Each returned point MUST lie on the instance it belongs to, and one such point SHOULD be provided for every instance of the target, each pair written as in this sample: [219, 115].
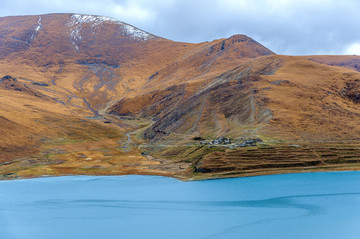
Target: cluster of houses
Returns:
[227, 141]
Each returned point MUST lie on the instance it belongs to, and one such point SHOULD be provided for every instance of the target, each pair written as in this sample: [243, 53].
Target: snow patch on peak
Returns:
[74, 26]
[36, 27]
[136, 33]
[76, 19]
[39, 25]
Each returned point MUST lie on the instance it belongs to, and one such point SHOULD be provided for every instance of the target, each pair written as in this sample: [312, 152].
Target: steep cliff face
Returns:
[273, 96]
[220, 107]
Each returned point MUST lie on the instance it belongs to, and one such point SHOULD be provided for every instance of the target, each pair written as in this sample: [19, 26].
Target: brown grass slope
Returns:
[87, 54]
[87, 94]
[304, 100]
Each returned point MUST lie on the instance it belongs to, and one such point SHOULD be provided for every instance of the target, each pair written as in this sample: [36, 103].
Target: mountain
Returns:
[83, 94]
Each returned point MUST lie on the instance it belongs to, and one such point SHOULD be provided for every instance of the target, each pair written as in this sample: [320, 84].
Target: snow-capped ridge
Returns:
[136, 33]
[39, 25]
[94, 20]
[76, 20]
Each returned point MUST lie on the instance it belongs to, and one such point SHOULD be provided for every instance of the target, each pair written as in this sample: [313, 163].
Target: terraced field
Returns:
[279, 159]
[220, 161]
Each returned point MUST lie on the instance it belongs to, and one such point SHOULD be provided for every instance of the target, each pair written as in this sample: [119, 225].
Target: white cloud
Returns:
[131, 13]
[353, 49]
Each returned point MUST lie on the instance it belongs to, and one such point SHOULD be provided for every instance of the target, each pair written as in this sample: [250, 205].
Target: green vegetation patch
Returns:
[189, 154]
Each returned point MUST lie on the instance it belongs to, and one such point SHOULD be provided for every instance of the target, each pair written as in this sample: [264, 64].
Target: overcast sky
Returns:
[294, 27]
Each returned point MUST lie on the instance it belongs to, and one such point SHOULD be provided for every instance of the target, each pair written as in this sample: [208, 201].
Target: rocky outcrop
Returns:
[352, 90]
[10, 83]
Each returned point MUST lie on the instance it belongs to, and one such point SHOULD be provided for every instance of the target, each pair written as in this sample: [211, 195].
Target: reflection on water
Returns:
[316, 205]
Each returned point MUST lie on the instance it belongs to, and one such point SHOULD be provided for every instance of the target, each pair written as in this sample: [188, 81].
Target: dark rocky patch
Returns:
[11, 83]
[352, 90]
[279, 82]
[40, 84]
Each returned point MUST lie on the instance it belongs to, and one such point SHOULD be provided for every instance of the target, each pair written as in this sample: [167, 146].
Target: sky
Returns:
[291, 27]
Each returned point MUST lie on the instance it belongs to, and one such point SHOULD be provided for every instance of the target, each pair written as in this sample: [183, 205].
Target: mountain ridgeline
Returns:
[83, 94]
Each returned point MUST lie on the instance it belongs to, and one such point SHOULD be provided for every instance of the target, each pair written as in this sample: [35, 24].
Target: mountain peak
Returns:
[83, 18]
[77, 20]
[69, 36]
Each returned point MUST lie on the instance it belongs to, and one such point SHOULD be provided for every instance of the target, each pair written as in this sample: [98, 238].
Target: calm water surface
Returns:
[312, 205]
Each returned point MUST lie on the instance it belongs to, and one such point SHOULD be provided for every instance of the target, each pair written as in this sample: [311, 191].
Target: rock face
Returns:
[10, 83]
[227, 103]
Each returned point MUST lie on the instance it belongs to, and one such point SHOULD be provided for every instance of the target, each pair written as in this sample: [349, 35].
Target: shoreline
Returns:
[184, 162]
[188, 179]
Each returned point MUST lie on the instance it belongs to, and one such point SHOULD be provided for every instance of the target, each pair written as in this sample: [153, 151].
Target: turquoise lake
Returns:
[290, 206]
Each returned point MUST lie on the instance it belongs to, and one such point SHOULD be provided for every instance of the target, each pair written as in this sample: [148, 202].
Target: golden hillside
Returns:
[87, 94]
